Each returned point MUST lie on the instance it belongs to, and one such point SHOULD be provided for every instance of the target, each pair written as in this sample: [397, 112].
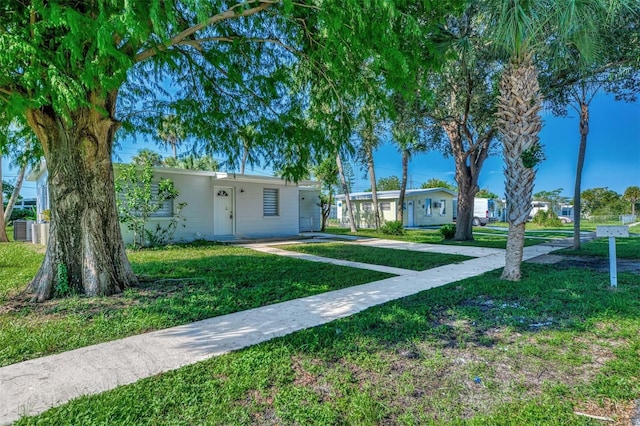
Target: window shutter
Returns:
[270, 202]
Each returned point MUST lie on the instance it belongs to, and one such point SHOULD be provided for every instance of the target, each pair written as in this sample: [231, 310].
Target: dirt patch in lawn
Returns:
[595, 263]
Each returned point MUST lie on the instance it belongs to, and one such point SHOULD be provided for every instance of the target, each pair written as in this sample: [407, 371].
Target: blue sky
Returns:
[612, 160]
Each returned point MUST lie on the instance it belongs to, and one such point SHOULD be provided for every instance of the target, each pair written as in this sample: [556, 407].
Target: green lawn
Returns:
[417, 261]
[479, 351]
[497, 239]
[627, 248]
[181, 284]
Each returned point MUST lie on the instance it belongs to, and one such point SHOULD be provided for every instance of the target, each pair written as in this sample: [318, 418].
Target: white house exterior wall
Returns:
[420, 215]
[250, 220]
[310, 214]
[198, 192]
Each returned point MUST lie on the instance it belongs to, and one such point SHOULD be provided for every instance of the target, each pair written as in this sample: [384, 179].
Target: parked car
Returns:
[565, 219]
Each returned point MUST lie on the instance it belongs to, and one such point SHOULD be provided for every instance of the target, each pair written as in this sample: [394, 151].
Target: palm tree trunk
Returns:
[584, 132]
[345, 191]
[519, 121]
[374, 189]
[245, 155]
[3, 224]
[16, 193]
[403, 185]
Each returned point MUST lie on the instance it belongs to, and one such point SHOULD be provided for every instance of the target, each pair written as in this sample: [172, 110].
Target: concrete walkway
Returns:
[31, 387]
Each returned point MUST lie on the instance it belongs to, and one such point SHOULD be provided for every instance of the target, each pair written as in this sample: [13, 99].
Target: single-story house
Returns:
[224, 206]
[421, 207]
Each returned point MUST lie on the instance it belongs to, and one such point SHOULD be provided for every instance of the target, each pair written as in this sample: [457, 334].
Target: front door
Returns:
[410, 214]
[223, 211]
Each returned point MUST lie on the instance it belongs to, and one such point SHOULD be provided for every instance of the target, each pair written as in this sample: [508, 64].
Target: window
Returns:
[427, 206]
[443, 207]
[385, 207]
[367, 207]
[167, 207]
[165, 210]
[270, 202]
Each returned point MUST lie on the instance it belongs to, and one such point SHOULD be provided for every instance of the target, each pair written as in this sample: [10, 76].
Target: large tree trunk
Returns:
[345, 191]
[16, 193]
[403, 184]
[85, 234]
[374, 188]
[468, 165]
[584, 132]
[519, 121]
[3, 224]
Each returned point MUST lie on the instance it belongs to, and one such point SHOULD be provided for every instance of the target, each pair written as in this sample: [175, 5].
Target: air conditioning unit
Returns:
[22, 230]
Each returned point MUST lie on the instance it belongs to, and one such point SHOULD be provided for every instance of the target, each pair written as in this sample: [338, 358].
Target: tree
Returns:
[460, 112]
[147, 156]
[3, 224]
[438, 183]
[601, 201]
[346, 192]
[632, 195]
[370, 142]
[24, 152]
[485, 193]
[171, 132]
[616, 70]
[406, 134]
[79, 71]
[82, 72]
[521, 30]
[327, 173]
[192, 162]
[389, 183]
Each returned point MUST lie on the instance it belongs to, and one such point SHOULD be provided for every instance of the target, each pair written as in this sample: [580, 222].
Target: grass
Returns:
[181, 284]
[405, 259]
[626, 248]
[479, 351]
[19, 263]
[432, 236]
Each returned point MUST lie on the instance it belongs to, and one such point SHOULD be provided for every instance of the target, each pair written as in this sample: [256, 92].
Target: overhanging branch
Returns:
[230, 13]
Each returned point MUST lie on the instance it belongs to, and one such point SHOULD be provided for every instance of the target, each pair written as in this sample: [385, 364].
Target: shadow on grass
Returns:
[466, 351]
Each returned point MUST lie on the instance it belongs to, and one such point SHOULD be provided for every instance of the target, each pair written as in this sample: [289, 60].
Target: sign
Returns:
[612, 232]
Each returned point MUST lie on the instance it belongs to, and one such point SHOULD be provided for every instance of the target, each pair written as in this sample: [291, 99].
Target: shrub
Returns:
[21, 214]
[547, 219]
[393, 227]
[448, 231]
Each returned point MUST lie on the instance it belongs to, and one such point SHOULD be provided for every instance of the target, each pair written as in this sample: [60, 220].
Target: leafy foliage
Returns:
[547, 219]
[392, 227]
[138, 199]
[448, 231]
[439, 183]
[389, 183]
[602, 201]
[485, 193]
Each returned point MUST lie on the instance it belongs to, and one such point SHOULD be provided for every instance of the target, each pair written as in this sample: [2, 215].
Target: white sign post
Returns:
[612, 232]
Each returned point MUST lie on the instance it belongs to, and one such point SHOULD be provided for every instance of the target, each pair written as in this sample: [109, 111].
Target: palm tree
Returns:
[370, 143]
[171, 132]
[406, 133]
[632, 195]
[345, 191]
[523, 29]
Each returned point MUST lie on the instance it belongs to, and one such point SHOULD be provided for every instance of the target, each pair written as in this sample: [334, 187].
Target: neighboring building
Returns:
[421, 207]
[23, 204]
[487, 210]
[226, 206]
